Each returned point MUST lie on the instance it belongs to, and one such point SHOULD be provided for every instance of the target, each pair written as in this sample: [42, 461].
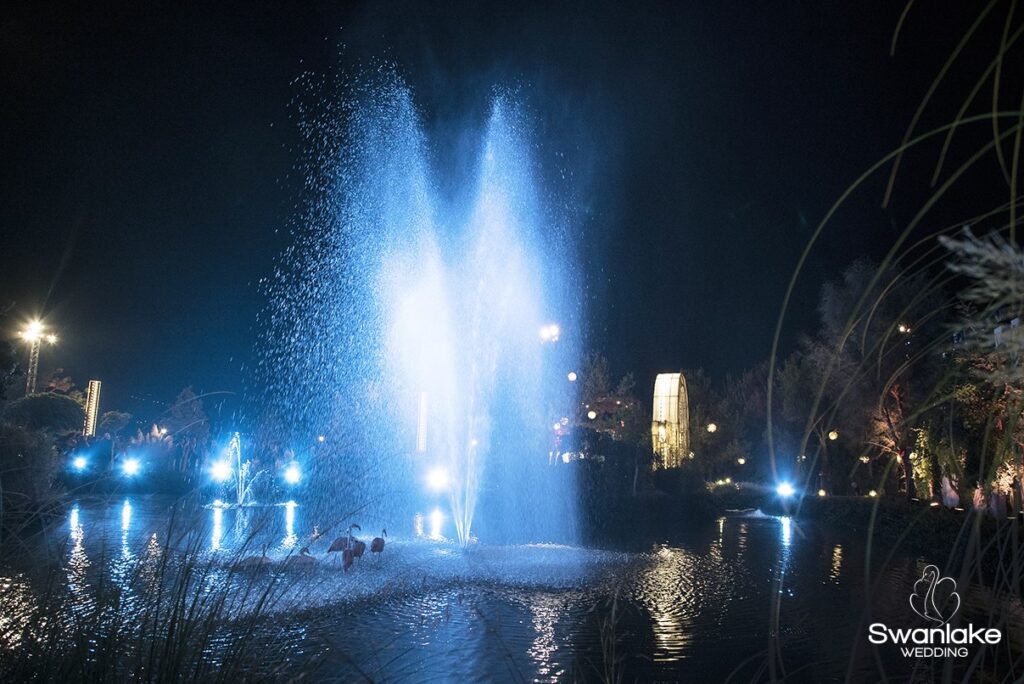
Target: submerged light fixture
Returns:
[785, 490]
[292, 474]
[221, 471]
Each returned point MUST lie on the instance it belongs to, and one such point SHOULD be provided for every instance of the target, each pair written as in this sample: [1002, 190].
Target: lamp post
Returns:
[35, 336]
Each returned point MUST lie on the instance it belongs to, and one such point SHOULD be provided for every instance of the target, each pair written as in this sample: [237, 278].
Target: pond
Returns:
[737, 596]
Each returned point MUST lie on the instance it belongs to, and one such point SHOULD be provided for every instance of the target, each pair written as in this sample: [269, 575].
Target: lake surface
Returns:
[712, 602]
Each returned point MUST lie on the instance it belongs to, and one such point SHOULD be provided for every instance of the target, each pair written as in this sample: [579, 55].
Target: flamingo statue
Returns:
[302, 560]
[377, 545]
[345, 541]
[255, 562]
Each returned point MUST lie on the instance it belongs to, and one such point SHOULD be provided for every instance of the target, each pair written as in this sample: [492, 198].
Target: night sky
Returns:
[148, 148]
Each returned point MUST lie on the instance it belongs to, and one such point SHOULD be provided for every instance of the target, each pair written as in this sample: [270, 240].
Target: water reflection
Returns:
[417, 523]
[217, 532]
[290, 539]
[787, 530]
[547, 609]
[666, 589]
[436, 521]
[78, 563]
[837, 564]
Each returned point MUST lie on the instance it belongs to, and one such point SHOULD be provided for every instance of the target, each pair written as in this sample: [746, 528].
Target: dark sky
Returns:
[147, 148]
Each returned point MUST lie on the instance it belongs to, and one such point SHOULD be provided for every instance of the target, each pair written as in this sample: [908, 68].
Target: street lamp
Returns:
[34, 333]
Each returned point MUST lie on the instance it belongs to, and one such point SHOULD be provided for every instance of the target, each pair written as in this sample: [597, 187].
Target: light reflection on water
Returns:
[290, 539]
[702, 603]
[547, 610]
[837, 564]
[218, 528]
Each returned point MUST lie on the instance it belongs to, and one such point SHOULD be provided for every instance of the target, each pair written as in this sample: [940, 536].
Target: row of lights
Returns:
[786, 490]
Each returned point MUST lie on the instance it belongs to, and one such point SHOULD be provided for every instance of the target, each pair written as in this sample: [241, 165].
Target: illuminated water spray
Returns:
[407, 321]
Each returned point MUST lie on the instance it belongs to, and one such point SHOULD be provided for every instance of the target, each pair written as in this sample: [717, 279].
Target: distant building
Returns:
[92, 407]
[670, 420]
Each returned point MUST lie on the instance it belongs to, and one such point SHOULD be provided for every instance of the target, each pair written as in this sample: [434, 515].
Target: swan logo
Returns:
[934, 597]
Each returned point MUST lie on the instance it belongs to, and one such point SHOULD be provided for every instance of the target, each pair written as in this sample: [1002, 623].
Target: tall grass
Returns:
[166, 611]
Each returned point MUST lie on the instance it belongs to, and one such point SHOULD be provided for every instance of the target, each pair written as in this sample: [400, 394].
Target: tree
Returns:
[113, 422]
[186, 422]
[54, 413]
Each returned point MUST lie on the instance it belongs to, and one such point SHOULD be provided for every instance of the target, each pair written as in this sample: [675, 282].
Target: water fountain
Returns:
[409, 322]
[241, 475]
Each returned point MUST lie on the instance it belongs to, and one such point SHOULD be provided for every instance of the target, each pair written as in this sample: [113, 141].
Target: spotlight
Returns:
[785, 490]
[79, 463]
[741, 460]
[833, 435]
[221, 471]
[712, 427]
[437, 479]
[572, 376]
[130, 466]
[821, 492]
[591, 414]
[872, 493]
[292, 474]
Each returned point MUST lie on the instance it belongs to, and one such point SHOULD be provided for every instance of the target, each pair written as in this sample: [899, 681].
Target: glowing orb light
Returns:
[591, 415]
[572, 376]
[712, 427]
[821, 492]
[785, 490]
[79, 463]
[131, 467]
[221, 471]
[833, 435]
[292, 474]
[437, 479]
[550, 332]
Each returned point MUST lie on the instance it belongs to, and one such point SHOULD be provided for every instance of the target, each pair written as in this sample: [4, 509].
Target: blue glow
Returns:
[436, 523]
[131, 467]
[292, 474]
[126, 515]
[431, 310]
[79, 463]
[785, 490]
[437, 479]
[221, 471]
[218, 528]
